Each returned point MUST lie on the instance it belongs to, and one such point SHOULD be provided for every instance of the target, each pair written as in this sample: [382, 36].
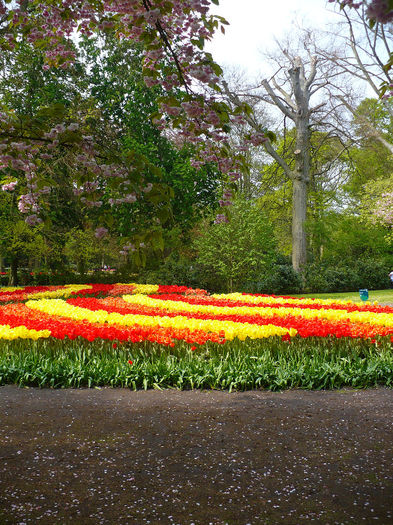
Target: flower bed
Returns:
[165, 314]
[151, 336]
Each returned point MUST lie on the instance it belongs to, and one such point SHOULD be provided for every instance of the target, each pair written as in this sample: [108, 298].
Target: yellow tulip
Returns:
[231, 329]
[21, 332]
[380, 319]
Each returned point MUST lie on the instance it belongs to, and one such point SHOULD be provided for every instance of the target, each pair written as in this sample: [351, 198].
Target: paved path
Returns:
[121, 457]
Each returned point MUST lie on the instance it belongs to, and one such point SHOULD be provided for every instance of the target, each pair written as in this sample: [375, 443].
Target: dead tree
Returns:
[294, 103]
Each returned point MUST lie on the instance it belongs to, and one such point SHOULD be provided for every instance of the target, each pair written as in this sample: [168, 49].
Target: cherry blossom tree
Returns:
[172, 33]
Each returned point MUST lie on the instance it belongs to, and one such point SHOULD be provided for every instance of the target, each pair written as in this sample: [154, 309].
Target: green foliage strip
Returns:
[272, 364]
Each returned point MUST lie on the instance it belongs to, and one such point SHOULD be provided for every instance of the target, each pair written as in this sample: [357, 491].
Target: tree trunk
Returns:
[81, 266]
[13, 279]
[301, 176]
[296, 106]
[299, 211]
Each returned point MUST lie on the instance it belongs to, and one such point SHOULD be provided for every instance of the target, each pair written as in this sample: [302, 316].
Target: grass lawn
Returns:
[382, 296]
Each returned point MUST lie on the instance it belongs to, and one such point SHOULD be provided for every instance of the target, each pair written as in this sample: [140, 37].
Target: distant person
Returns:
[391, 279]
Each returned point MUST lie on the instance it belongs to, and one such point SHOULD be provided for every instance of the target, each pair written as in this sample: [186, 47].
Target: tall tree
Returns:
[114, 80]
[290, 90]
[106, 93]
[172, 35]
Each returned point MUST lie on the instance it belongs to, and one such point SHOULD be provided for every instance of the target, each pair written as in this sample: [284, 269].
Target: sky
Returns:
[254, 24]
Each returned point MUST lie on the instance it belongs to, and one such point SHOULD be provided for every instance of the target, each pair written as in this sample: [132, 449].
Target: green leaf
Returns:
[200, 43]
[163, 214]
[270, 135]
[217, 69]
[247, 109]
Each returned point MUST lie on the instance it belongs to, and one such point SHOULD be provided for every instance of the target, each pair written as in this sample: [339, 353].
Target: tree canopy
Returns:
[126, 159]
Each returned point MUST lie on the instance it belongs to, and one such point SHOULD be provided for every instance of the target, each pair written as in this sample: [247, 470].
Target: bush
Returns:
[315, 279]
[66, 276]
[346, 275]
[282, 279]
[373, 274]
[175, 269]
[232, 253]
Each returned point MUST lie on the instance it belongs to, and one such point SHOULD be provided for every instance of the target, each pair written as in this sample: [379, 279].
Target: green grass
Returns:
[382, 296]
[269, 364]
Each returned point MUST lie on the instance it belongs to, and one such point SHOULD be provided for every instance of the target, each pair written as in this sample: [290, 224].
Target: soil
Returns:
[114, 456]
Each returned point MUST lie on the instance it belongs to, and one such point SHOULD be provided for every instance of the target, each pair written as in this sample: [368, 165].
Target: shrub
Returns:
[175, 269]
[282, 279]
[346, 275]
[373, 274]
[230, 254]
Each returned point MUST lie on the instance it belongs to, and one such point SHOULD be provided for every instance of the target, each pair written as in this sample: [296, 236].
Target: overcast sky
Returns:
[255, 23]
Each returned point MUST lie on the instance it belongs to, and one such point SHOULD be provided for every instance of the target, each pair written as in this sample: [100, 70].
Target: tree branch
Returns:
[286, 95]
[373, 131]
[357, 57]
[313, 72]
[168, 45]
[287, 111]
[273, 153]
[233, 97]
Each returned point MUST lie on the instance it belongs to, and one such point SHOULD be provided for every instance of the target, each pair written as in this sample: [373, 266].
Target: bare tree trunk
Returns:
[296, 106]
[301, 177]
[299, 212]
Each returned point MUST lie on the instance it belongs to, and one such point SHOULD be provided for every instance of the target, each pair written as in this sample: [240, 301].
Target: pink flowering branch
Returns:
[176, 29]
[377, 10]
[383, 211]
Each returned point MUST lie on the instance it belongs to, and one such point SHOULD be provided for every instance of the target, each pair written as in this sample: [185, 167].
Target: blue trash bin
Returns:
[363, 294]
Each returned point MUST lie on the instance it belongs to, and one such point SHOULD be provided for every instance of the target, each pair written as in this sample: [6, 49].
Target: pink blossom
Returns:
[33, 220]
[187, 22]
[220, 218]
[380, 11]
[10, 186]
[100, 232]
[383, 211]
[150, 81]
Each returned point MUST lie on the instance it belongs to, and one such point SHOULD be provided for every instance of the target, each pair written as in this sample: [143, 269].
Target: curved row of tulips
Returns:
[165, 314]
